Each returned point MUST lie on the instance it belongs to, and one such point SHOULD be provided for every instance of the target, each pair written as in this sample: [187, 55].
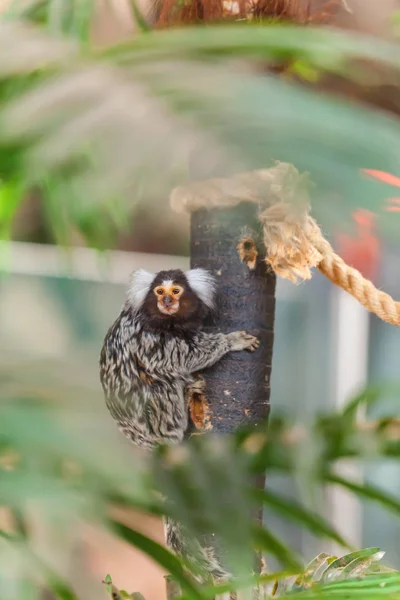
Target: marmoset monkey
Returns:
[149, 358]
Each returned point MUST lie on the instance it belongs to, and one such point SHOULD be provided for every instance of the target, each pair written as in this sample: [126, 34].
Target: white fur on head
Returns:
[203, 284]
[139, 287]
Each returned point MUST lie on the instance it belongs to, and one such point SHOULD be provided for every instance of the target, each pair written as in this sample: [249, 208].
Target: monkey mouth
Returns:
[168, 310]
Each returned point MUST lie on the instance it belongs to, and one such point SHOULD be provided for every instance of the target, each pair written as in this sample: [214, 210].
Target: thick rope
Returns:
[293, 240]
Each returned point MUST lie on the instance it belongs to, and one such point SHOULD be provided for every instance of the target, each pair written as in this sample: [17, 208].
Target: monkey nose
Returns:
[167, 300]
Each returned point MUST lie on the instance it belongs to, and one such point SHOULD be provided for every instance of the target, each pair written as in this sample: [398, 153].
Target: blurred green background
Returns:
[99, 119]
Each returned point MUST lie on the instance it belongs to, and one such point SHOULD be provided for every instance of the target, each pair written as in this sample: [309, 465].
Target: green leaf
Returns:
[11, 195]
[31, 10]
[366, 490]
[369, 398]
[313, 569]
[55, 583]
[359, 566]
[140, 20]
[370, 587]
[206, 491]
[277, 41]
[81, 19]
[344, 561]
[62, 17]
[267, 541]
[162, 556]
[295, 512]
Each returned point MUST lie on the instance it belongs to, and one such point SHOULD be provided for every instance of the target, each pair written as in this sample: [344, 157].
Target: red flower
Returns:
[362, 250]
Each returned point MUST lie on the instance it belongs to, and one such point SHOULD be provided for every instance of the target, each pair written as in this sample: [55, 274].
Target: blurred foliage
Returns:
[68, 17]
[96, 132]
[357, 574]
[56, 465]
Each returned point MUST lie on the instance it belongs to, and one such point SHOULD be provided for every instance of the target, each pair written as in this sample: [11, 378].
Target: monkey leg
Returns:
[198, 407]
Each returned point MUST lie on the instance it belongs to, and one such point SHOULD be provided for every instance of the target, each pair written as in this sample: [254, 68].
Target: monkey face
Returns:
[172, 300]
[168, 295]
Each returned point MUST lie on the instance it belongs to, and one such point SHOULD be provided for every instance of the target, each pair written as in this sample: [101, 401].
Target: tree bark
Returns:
[228, 242]
[238, 386]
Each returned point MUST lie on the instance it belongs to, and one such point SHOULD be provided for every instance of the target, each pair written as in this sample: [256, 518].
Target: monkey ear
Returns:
[139, 287]
[203, 283]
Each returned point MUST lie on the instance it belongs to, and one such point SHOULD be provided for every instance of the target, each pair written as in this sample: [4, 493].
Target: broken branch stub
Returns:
[247, 249]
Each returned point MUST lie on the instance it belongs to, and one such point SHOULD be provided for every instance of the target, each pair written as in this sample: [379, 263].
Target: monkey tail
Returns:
[202, 560]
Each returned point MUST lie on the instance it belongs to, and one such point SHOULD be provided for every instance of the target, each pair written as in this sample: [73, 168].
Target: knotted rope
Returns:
[293, 240]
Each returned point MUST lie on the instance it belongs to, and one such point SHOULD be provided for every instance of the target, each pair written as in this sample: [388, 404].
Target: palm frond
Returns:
[122, 125]
[53, 453]
[60, 17]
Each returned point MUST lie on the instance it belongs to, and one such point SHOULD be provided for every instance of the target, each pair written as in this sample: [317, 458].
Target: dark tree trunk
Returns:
[238, 386]
[228, 242]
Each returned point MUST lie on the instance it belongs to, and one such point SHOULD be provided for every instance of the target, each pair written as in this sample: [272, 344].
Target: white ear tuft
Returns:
[203, 284]
[139, 287]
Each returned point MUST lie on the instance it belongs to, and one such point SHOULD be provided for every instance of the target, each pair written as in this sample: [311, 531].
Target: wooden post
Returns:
[238, 386]
[228, 242]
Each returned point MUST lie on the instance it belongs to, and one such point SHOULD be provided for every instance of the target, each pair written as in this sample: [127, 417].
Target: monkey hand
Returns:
[240, 340]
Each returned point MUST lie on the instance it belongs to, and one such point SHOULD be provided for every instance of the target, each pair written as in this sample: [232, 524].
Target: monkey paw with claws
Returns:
[240, 340]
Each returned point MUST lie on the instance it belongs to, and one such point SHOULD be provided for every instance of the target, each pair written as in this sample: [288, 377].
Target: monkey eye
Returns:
[176, 291]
